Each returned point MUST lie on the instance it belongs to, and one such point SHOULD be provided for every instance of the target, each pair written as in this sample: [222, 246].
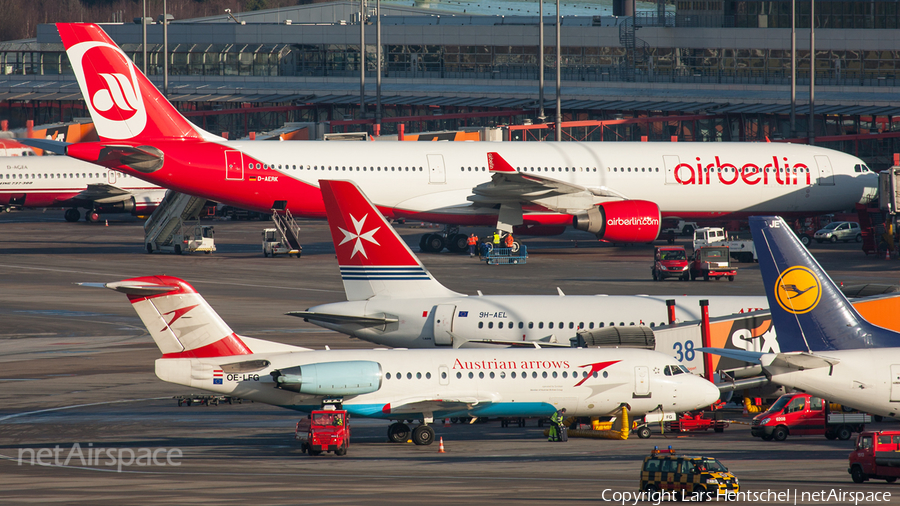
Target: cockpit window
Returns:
[672, 370]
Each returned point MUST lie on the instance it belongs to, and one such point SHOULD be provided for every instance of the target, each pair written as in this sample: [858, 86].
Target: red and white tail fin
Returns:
[496, 163]
[123, 103]
[180, 321]
[374, 260]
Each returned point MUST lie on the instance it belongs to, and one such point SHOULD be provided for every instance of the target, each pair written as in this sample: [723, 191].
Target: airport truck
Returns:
[877, 456]
[742, 250]
[712, 262]
[801, 415]
[325, 430]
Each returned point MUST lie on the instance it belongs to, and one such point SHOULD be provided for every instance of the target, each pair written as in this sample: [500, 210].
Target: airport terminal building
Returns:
[723, 67]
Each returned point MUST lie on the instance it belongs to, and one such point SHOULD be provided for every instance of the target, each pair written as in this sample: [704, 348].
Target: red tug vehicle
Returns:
[325, 430]
[877, 456]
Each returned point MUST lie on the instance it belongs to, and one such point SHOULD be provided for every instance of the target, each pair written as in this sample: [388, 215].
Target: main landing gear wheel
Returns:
[398, 433]
[458, 243]
[423, 435]
[92, 216]
[643, 432]
[72, 215]
[435, 243]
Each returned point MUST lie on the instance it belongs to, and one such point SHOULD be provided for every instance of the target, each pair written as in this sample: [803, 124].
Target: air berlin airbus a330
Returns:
[618, 191]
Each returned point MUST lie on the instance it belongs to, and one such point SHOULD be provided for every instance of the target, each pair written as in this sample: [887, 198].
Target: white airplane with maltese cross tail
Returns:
[393, 300]
[199, 350]
[615, 190]
[827, 348]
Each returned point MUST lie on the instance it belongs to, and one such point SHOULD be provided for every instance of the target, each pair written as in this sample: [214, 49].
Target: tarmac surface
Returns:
[76, 372]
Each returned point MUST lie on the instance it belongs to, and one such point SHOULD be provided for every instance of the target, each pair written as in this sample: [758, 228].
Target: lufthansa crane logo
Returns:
[798, 290]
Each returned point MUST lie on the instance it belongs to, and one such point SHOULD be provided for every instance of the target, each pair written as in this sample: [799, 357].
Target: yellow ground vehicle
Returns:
[688, 477]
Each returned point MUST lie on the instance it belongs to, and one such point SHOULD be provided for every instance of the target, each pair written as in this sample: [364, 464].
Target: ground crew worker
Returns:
[497, 239]
[338, 420]
[472, 242]
[509, 241]
[556, 421]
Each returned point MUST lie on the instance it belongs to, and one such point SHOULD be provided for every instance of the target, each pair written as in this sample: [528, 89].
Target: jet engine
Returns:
[621, 221]
[122, 206]
[354, 377]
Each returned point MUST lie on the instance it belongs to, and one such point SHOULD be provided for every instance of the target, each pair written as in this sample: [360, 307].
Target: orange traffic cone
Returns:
[107, 223]
[441, 447]
[446, 422]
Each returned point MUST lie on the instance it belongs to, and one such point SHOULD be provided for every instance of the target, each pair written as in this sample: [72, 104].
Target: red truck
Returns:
[712, 262]
[669, 262]
[326, 430]
[802, 415]
[877, 456]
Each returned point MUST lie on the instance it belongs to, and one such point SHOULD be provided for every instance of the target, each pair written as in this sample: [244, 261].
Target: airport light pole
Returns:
[144, 36]
[558, 78]
[378, 64]
[541, 116]
[793, 68]
[812, 73]
[165, 50]
[362, 58]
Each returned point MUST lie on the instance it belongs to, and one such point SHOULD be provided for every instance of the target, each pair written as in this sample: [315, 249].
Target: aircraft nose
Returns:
[702, 393]
[707, 393]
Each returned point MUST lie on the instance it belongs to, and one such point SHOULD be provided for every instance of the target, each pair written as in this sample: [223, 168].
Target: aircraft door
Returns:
[444, 375]
[436, 172]
[826, 173]
[642, 381]
[895, 383]
[443, 324]
[234, 165]
[670, 162]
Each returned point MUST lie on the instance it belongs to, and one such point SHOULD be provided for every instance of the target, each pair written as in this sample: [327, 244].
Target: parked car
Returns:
[670, 261]
[839, 231]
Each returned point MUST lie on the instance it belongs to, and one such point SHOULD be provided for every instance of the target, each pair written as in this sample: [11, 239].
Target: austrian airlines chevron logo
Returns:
[176, 314]
[359, 235]
[596, 367]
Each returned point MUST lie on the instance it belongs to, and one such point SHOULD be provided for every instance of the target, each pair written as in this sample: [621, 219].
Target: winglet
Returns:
[496, 163]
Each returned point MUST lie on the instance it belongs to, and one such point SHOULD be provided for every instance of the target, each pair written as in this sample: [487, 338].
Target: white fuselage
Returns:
[507, 382]
[866, 380]
[519, 317]
[428, 177]
[49, 181]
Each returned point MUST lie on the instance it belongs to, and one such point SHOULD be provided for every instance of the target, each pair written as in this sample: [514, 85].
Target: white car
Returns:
[839, 231]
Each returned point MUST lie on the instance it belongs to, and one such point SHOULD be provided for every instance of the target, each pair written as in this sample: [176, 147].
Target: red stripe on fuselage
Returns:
[225, 347]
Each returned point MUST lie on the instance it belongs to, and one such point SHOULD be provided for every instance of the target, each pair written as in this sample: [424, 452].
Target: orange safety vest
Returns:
[509, 241]
[472, 240]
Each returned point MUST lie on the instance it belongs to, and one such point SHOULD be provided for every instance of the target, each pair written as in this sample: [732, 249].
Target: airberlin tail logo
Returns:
[110, 86]
[798, 290]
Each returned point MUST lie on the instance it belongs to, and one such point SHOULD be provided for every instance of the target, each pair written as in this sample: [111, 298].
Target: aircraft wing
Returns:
[454, 402]
[511, 187]
[797, 361]
[367, 321]
[104, 193]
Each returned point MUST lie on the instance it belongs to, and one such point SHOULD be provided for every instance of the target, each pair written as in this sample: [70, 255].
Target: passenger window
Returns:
[521, 325]
[490, 325]
[499, 325]
[571, 325]
[550, 325]
[531, 325]
[541, 325]
[481, 325]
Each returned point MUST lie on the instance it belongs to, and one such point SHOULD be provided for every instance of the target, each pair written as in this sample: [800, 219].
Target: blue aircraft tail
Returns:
[809, 312]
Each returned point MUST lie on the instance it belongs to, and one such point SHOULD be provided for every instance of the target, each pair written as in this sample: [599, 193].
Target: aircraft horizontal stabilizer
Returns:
[131, 288]
[52, 146]
[311, 316]
[799, 361]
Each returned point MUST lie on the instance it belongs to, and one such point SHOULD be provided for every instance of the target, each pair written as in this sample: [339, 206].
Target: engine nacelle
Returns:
[122, 206]
[354, 377]
[621, 221]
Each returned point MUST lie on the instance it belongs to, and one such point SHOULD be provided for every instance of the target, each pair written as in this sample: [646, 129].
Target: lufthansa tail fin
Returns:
[123, 103]
[809, 312]
[180, 321]
[374, 260]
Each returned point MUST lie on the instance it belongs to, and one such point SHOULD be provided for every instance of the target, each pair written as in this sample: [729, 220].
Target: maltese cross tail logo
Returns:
[359, 235]
[597, 367]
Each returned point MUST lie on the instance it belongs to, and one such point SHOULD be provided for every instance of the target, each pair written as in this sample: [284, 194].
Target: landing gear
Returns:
[398, 432]
[449, 238]
[423, 435]
[72, 215]
[92, 216]
[458, 243]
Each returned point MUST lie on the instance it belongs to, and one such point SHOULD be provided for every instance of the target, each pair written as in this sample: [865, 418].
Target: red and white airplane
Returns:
[393, 300]
[614, 190]
[57, 181]
[199, 350]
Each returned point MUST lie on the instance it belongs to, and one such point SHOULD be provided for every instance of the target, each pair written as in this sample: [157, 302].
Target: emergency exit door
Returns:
[670, 162]
[895, 383]
[436, 170]
[443, 324]
[234, 165]
[826, 173]
[642, 381]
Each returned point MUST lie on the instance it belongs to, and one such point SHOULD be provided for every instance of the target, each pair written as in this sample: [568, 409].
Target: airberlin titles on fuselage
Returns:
[750, 173]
